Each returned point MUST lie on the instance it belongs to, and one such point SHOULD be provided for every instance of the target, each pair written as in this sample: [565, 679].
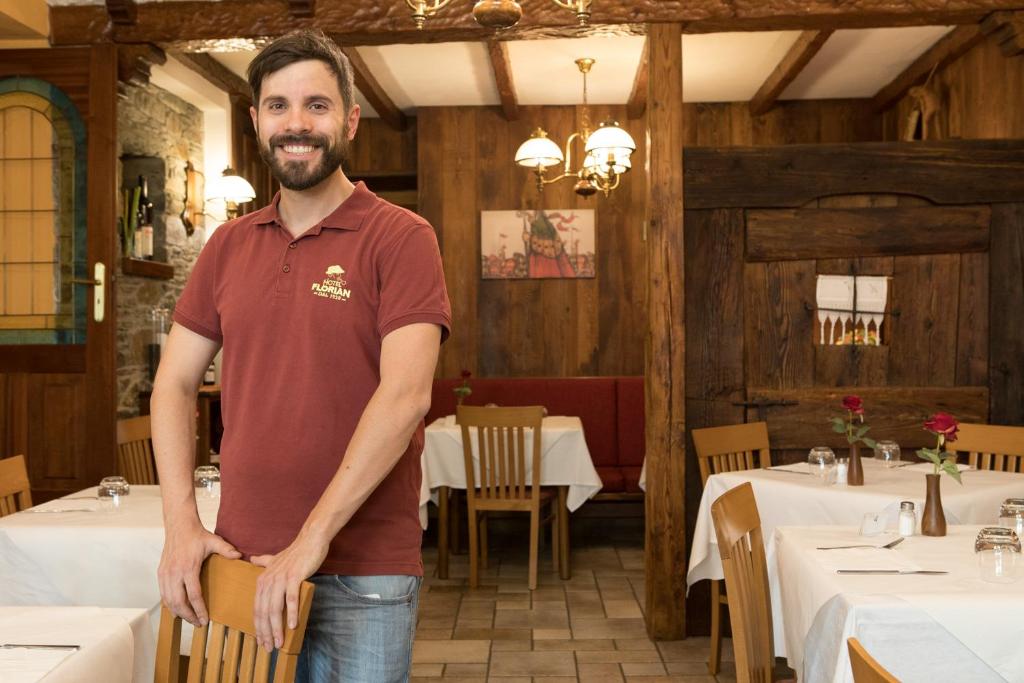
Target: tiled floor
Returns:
[589, 628]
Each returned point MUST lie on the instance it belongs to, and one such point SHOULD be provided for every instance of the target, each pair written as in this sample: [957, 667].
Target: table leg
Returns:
[442, 532]
[564, 570]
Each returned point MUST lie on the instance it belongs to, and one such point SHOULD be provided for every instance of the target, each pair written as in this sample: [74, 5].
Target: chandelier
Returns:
[606, 152]
[495, 14]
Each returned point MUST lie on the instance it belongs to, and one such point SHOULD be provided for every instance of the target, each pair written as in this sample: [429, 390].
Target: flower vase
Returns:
[933, 521]
[855, 474]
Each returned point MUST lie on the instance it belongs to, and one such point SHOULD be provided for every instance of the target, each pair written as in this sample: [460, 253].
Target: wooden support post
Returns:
[665, 545]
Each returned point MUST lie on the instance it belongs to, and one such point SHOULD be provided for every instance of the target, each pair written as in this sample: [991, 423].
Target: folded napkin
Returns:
[67, 505]
[928, 467]
[863, 558]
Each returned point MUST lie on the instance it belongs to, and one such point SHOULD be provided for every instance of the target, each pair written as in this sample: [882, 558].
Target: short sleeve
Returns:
[412, 288]
[197, 307]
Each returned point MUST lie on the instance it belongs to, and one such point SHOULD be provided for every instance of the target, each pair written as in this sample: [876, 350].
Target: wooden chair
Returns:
[502, 485]
[15, 493]
[865, 668]
[229, 589]
[741, 546]
[135, 450]
[991, 447]
[728, 449]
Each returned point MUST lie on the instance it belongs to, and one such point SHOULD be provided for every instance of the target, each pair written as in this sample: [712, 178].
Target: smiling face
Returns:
[303, 129]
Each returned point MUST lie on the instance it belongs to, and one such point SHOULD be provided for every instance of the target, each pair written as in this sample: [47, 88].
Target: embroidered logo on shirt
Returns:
[333, 286]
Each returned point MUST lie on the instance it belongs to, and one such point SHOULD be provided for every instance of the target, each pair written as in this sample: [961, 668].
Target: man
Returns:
[330, 306]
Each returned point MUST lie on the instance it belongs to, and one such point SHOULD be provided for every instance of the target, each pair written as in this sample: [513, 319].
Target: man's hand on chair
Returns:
[278, 586]
[186, 546]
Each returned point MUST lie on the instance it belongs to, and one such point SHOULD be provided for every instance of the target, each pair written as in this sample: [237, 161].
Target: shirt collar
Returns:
[348, 216]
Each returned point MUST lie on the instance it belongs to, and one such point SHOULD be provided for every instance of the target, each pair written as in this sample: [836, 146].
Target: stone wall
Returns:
[153, 122]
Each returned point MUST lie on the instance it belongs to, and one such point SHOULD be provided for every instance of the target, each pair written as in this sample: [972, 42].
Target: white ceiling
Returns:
[717, 67]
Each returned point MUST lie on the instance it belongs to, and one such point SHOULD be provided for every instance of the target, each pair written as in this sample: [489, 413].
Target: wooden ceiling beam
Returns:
[366, 22]
[135, 62]
[1007, 29]
[498, 52]
[122, 12]
[637, 103]
[216, 74]
[800, 54]
[373, 92]
[302, 8]
[946, 50]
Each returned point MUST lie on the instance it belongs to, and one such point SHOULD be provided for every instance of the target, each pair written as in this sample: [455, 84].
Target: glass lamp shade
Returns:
[610, 139]
[599, 166]
[231, 187]
[539, 152]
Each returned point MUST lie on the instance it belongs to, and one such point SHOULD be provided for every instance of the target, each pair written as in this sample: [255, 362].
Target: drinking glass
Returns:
[998, 552]
[112, 492]
[887, 453]
[822, 463]
[207, 480]
[1011, 515]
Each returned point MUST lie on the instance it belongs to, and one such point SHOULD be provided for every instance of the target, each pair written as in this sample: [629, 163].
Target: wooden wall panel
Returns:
[380, 149]
[925, 293]
[893, 412]
[780, 323]
[982, 96]
[1006, 341]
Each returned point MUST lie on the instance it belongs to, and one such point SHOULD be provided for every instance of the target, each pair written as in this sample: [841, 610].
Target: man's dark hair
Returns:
[299, 46]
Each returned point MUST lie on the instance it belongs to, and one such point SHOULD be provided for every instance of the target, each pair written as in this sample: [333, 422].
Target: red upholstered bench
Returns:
[610, 408]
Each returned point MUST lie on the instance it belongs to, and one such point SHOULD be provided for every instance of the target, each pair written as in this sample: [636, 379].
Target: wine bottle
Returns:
[146, 218]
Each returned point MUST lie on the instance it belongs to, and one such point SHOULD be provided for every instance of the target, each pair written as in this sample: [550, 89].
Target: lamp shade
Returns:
[231, 187]
[612, 140]
[600, 166]
[539, 151]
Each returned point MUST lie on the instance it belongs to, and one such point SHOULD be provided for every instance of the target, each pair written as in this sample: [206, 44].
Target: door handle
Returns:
[99, 285]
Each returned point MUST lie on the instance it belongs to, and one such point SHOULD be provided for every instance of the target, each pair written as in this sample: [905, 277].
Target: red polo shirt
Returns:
[301, 322]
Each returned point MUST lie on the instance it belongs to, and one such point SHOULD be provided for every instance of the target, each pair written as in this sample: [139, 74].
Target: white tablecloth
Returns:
[565, 460]
[84, 556]
[790, 499]
[952, 627]
[117, 645]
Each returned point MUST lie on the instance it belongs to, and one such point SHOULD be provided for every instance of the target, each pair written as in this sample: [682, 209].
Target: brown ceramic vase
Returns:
[855, 473]
[933, 521]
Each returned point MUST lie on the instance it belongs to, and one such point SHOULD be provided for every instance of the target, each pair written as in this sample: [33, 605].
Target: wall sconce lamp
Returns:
[233, 189]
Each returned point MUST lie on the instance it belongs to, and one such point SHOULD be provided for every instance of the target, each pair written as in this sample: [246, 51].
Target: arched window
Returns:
[42, 215]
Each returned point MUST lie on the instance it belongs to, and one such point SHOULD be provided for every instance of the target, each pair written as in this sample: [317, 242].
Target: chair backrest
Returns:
[502, 451]
[732, 448]
[741, 546]
[135, 450]
[991, 447]
[226, 649]
[15, 491]
[865, 668]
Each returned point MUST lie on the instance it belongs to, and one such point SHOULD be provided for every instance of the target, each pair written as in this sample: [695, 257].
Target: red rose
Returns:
[854, 404]
[466, 374]
[943, 423]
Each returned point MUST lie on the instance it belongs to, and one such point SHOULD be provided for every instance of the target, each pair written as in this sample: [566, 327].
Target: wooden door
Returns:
[942, 221]
[58, 148]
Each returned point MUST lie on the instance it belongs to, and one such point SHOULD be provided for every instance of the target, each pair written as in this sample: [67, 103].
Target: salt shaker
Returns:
[842, 469]
[908, 520]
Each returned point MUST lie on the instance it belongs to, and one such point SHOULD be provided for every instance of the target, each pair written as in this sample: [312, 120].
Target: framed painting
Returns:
[517, 245]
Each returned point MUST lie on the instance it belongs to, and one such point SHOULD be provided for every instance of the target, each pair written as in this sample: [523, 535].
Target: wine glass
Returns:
[888, 453]
[822, 463]
[998, 553]
[112, 492]
[1011, 515]
[207, 481]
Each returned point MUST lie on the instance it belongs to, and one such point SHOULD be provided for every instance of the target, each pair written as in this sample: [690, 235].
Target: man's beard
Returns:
[298, 175]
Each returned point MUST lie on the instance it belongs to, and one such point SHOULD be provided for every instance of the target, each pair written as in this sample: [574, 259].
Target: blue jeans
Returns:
[360, 629]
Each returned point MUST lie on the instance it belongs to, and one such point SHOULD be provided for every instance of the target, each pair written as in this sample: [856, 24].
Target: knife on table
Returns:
[890, 571]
